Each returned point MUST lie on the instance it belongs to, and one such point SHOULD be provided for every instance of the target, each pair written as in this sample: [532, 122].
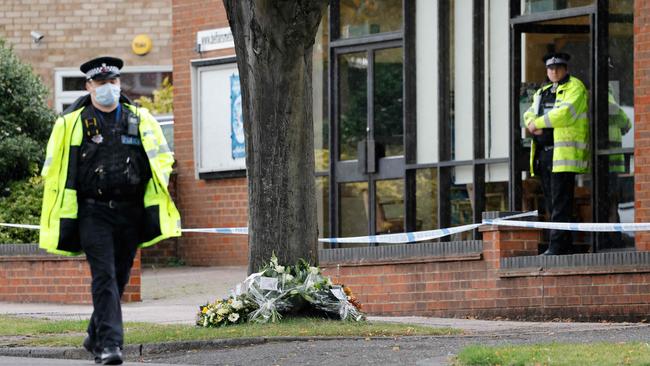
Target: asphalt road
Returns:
[399, 351]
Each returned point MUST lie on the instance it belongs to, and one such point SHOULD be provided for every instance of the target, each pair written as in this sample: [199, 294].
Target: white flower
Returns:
[222, 311]
[236, 304]
[233, 317]
[279, 269]
[287, 277]
[314, 270]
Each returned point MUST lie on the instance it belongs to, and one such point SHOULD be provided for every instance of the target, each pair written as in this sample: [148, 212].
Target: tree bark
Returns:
[273, 42]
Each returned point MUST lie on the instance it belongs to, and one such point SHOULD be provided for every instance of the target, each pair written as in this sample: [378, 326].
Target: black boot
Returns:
[111, 356]
[90, 346]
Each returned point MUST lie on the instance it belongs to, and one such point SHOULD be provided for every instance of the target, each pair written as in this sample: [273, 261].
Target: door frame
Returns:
[598, 108]
[348, 171]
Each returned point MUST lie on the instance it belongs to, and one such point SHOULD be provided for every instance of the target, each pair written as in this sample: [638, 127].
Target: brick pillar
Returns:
[642, 119]
[508, 241]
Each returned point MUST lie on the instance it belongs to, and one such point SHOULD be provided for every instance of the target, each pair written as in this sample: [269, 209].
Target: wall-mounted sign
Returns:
[141, 44]
[219, 143]
[214, 39]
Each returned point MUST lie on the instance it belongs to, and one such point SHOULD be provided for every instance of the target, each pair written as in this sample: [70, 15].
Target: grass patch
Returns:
[71, 333]
[633, 353]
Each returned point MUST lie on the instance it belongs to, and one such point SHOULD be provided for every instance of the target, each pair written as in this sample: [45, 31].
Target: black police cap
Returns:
[556, 58]
[102, 68]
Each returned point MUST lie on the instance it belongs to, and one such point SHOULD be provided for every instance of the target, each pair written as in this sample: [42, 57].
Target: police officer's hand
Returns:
[534, 130]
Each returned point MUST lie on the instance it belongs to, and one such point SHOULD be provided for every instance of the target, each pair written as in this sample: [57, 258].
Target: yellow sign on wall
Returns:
[141, 44]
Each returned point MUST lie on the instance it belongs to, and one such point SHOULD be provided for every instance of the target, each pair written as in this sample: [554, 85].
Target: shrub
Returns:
[25, 119]
[21, 204]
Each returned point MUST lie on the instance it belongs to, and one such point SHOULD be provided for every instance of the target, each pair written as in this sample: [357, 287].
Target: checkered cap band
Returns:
[101, 70]
[556, 60]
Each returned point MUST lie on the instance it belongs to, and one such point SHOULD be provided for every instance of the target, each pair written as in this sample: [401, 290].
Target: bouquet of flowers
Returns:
[224, 312]
[276, 290]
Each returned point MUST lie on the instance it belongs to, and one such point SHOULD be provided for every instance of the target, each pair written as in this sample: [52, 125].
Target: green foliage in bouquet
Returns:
[277, 290]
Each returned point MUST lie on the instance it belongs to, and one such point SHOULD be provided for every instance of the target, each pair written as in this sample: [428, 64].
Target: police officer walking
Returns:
[106, 174]
[560, 149]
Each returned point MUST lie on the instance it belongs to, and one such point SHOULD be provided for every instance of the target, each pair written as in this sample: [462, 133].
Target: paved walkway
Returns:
[174, 294]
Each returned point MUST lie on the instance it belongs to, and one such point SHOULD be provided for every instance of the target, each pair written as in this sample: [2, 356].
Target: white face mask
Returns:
[107, 94]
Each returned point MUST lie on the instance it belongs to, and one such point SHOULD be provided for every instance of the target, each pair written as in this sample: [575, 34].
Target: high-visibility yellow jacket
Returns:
[59, 232]
[619, 125]
[570, 125]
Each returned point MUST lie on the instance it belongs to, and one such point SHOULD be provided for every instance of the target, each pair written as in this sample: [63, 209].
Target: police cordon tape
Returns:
[574, 226]
[438, 233]
[418, 235]
[21, 226]
[385, 238]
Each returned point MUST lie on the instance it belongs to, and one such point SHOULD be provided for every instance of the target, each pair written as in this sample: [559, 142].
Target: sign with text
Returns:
[214, 39]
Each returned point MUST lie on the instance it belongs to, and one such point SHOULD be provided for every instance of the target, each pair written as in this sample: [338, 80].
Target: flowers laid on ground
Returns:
[278, 290]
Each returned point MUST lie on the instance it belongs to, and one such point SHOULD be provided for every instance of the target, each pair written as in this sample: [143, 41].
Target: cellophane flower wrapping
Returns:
[278, 290]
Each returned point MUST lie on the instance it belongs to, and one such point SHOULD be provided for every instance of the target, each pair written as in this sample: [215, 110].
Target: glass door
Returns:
[581, 30]
[369, 144]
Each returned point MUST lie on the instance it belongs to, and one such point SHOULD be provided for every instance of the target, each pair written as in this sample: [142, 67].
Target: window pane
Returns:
[460, 200]
[323, 206]
[353, 103]
[363, 17]
[320, 96]
[426, 203]
[390, 206]
[168, 131]
[536, 6]
[496, 196]
[387, 102]
[136, 85]
[354, 210]
[618, 157]
[74, 83]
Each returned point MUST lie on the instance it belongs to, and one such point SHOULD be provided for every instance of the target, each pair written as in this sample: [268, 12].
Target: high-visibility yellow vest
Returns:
[570, 125]
[59, 232]
[619, 125]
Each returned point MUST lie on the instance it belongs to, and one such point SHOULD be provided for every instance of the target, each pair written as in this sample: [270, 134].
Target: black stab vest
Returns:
[113, 166]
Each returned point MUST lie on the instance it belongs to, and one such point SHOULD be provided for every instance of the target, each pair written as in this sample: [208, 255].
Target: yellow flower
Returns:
[204, 309]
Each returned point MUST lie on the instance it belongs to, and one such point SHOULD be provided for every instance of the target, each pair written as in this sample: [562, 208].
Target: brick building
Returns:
[417, 109]
[203, 201]
[76, 30]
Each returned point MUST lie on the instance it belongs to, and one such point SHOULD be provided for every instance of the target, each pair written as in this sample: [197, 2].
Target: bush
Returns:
[25, 119]
[21, 204]
[25, 124]
[163, 99]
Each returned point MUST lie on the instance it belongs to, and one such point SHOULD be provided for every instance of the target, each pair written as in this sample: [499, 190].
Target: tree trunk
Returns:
[273, 41]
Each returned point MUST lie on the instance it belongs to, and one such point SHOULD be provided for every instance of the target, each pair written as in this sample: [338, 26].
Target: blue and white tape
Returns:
[230, 230]
[574, 226]
[21, 226]
[416, 236]
[411, 237]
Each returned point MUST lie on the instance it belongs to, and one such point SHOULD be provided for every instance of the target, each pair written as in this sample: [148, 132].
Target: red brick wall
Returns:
[479, 288]
[203, 203]
[642, 118]
[55, 279]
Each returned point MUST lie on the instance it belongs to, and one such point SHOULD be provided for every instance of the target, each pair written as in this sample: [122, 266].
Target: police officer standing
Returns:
[106, 174]
[559, 124]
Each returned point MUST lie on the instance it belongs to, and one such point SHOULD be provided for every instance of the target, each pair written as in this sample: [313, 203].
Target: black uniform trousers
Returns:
[110, 234]
[558, 189]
